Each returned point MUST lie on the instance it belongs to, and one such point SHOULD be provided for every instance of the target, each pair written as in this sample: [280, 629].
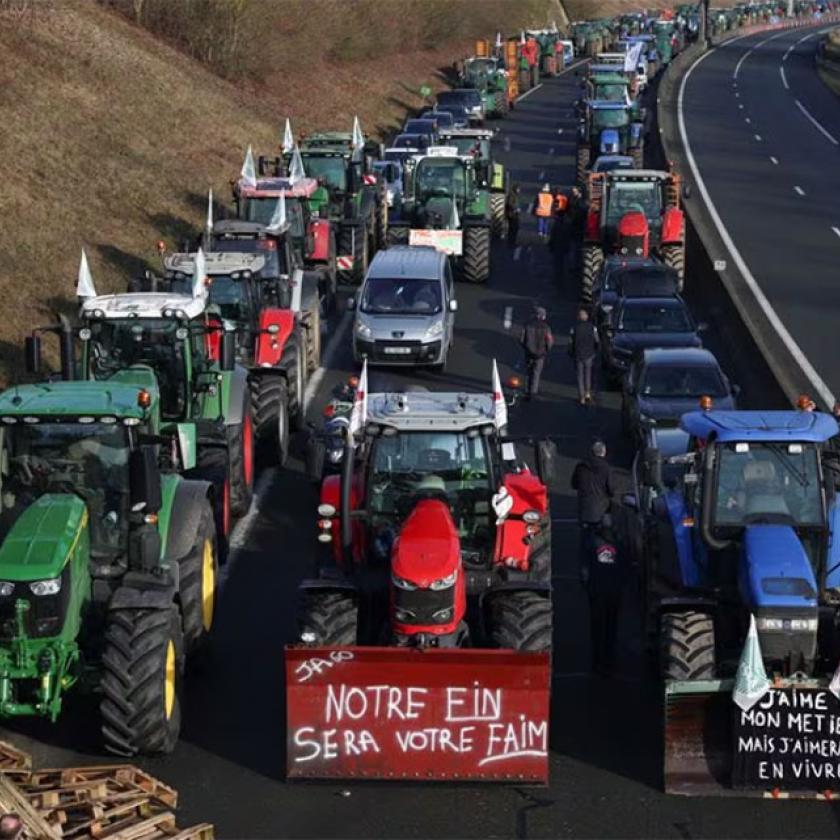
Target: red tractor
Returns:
[635, 212]
[439, 542]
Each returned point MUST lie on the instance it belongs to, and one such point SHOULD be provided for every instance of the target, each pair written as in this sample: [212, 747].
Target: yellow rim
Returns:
[208, 585]
[169, 680]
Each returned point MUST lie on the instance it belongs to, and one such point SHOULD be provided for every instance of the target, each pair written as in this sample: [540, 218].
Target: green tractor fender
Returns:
[235, 391]
[185, 507]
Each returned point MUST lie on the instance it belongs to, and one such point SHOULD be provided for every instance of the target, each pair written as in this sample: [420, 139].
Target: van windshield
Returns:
[385, 295]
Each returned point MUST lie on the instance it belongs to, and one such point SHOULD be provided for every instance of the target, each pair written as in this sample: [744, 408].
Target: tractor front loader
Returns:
[108, 564]
[741, 607]
[426, 634]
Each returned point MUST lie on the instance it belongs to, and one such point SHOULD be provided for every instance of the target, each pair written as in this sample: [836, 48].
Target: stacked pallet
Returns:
[114, 801]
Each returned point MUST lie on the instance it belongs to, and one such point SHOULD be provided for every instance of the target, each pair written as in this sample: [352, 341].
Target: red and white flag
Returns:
[499, 405]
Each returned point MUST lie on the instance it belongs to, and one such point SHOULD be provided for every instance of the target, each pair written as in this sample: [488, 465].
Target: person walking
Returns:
[536, 341]
[543, 210]
[512, 215]
[559, 229]
[583, 347]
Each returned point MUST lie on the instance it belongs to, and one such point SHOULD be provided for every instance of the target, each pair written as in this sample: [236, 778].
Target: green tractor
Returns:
[108, 564]
[487, 75]
[205, 402]
[446, 206]
[491, 174]
[352, 196]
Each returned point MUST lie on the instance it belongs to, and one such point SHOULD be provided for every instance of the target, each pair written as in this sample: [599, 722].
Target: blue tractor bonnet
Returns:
[768, 426]
[610, 144]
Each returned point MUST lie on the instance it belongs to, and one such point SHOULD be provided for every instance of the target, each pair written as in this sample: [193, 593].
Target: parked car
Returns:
[606, 293]
[443, 118]
[405, 310]
[460, 116]
[467, 98]
[424, 127]
[662, 384]
[641, 322]
[606, 163]
[417, 142]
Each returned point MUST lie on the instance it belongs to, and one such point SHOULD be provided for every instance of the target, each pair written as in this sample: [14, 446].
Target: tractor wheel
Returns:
[143, 668]
[638, 155]
[198, 574]
[674, 256]
[687, 646]
[328, 618]
[521, 621]
[500, 106]
[240, 451]
[311, 320]
[593, 260]
[476, 259]
[398, 235]
[582, 163]
[498, 220]
[353, 240]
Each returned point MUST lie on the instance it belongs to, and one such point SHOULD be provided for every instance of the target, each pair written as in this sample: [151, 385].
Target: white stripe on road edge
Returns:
[836, 230]
[750, 51]
[508, 320]
[793, 348]
[528, 92]
[517, 251]
[784, 78]
[816, 124]
[799, 190]
[774, 160]
[326, 358]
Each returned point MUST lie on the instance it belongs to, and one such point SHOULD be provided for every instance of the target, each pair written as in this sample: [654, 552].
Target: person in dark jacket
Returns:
[536, 341]
[592, 479]
[583, 347]
[512, 215]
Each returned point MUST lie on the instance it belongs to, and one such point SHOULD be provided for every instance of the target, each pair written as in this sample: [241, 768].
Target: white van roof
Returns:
[409, 261]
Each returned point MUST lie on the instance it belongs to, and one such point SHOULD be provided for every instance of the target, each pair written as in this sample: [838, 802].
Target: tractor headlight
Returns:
[804, 624]
[445, 583]
[6, 588]
[335, 456]
[363, 330]
[50, 586]
[442, 615]
[532, 516]
[401, 583]
[403, 616]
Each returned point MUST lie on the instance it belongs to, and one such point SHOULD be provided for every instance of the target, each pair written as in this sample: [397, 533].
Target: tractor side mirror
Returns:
[227, 360]
[33, 354]
[546, 455]
[453, 305]
[144, 480]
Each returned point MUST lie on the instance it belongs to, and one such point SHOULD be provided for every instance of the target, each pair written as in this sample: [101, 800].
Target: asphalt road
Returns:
[765, 134]
[605, 734]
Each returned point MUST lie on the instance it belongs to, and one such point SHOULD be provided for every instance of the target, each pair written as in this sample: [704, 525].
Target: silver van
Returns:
[405, 309]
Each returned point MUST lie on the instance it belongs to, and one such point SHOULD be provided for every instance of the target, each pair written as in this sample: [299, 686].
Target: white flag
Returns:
[631, 58]
[522, 37]
[498, 40]
[358, 417]
[278, 217]
[499, 404]
[358, 137]
[455, 221]
[249, 171]
[84, 283]
[288, 138]
[296, 170]
[199, 289]
[210, 210]
[834, 685]
[751, 683]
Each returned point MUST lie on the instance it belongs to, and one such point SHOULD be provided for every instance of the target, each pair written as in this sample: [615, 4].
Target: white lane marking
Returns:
[799, 190]
[836, 230]
[758, 137]
[827, 134]
[788, 51]
[805, 38]
[517, 251]
[775, 161]
[551, 150]
[784, 77]
[327, 358]
[559, 130]
[750, 51]
[741, 107]
[747, 120]
[541, 175]
[737, 95]
[528, 92]
[793, 348]
[508, 319]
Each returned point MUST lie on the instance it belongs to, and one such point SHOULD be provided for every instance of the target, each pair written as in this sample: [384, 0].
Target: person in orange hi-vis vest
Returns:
[544, 210]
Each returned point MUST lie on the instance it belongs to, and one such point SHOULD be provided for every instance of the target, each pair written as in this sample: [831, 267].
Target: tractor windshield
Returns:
[633, 196]
[406, 466]
[609, 118]
[477, 146]
[275, 262]
[772, 483]
[384, 295]
[440, 177]
[261, 209]
[332, 169]
[610, 92]
[89, 460]
[116, 344]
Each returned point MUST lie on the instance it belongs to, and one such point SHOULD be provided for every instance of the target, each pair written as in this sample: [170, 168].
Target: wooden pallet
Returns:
[114, 801]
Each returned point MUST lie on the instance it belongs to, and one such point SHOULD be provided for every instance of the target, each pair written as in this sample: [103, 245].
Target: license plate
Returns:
[398, 351]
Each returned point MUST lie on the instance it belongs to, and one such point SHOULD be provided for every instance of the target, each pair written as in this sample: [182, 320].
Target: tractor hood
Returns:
[427, 548]
[776, 571]
[43, 538]
[610, 142]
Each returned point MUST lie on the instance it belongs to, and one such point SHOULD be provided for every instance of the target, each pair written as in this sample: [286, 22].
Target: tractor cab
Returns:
[442, 183]
[608, 127]
[333, 160]
[609, 87]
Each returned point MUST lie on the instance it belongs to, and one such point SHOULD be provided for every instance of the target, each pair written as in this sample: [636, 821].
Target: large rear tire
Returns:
[311, 321]
[687, 646]
[198, 576]
[583, 156]
[143, 668]
[674, 256]
[328, 618]
[498, 220]
[476, 258]
[592, 263]
[241, 467]
[521, 621]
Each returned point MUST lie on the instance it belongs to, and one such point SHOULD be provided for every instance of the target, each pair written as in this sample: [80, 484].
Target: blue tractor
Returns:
[739, 524]
[609, 128]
